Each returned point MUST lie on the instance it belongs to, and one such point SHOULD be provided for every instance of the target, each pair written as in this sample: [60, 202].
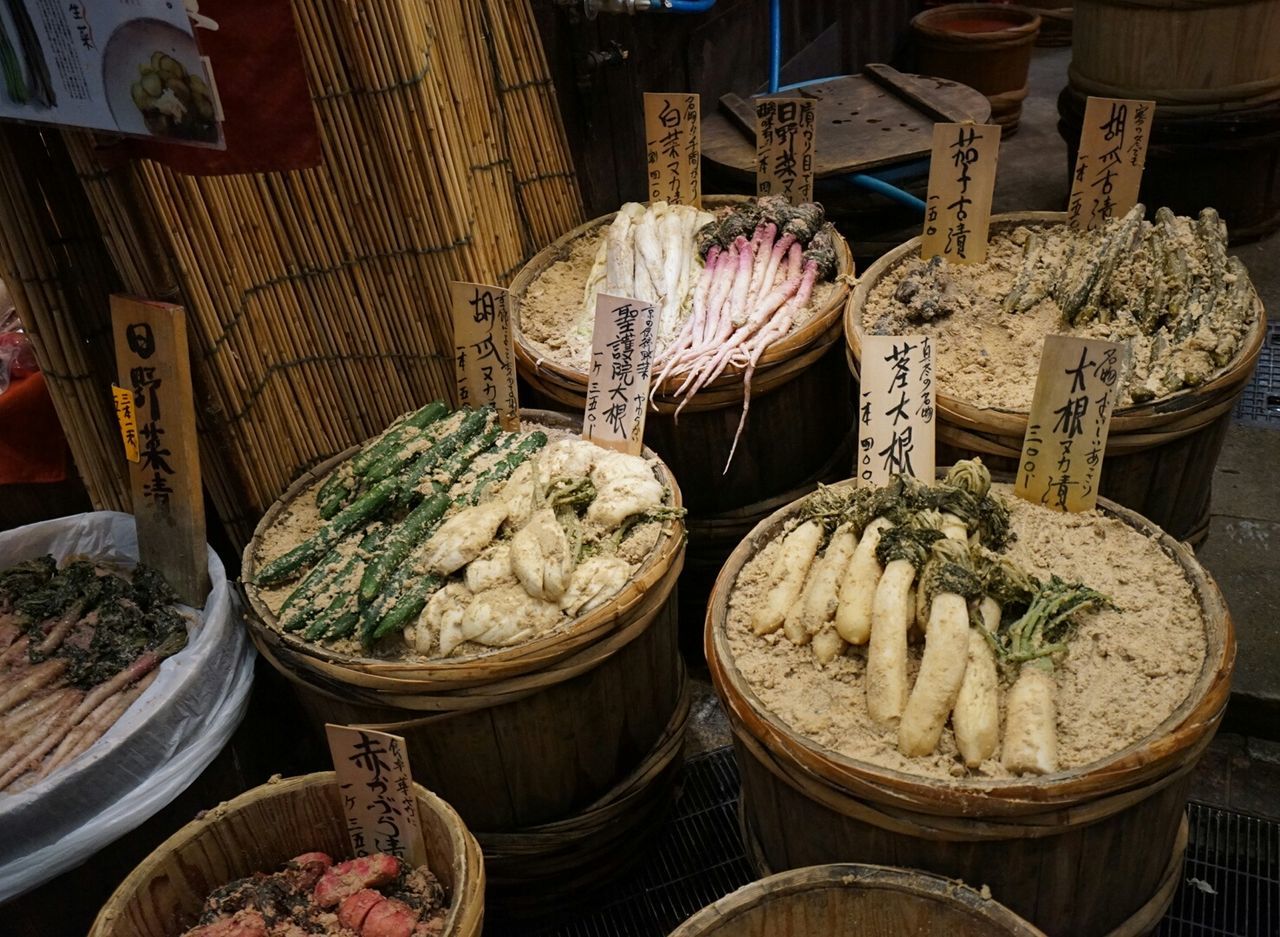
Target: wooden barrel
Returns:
[983, 45]
[261, 830]
[561, 742]
[867, 900]
[1189, 56]
[1088, 851]
[1160, 455]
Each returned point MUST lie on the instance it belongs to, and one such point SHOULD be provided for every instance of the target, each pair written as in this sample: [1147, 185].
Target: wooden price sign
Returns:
[168, 504]
[618, 385]
[1067, 427]
[785, 148]
[897, 409]
[673, 144]
[1109, 163]
[377, 793]
[127, 417]
[962, 180]
[484, 351]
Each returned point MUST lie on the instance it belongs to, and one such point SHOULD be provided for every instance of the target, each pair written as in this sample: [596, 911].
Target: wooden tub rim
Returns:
[1152, 756]
[467, 869]
[790, 345]
[917, 883]
[1133, 418]
[665, 551]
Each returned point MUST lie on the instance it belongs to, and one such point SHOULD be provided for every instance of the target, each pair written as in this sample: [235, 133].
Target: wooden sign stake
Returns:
[376, 785]
[484, 350]
[1067, 428]
[785, 148]
[1109, 163]
[962, 180]
[673, 145]
[618, 384]
[168, 503]
[897, 407]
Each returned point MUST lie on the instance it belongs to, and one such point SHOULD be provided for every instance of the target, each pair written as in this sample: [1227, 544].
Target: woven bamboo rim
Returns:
[1142, 921]
[660, 567]
[724, 391]
[719, 918]
[1133, 429]
[466, 911]
[1024, 803]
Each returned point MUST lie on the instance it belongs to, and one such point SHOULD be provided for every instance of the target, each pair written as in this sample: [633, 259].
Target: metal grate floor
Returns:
[1259, 405]
[699, 858]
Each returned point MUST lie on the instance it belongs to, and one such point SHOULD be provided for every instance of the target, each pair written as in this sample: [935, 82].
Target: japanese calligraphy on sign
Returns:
[673, 144]
[1067, 428]
[128, 420]
[785, 148]
[483, 350]
[1109, 163]
[378, 799]
[168, 503]
[622, 348]
[897, 409]
[962, 179]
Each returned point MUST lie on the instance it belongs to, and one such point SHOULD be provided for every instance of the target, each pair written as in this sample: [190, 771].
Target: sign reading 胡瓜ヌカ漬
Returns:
[1110, 160]
[962, 180]
[484, 351]
[673, 148]
[1066, 438]
[622, 346]
[897, 409]
[376, 786]
[785, 130]
[168, 502]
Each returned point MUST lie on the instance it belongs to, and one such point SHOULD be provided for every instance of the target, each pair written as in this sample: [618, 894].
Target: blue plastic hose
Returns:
[775, 45]
[683, 6]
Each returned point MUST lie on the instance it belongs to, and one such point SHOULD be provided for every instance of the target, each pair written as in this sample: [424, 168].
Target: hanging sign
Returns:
[673, 144]
[377, 793]
[168, 503]
[962, 180]
[484, 351]
[128, 420]
[785, 148]
[1067, 428]
[897, 409]
[618, 384]
[126, 67]
[1109, 163]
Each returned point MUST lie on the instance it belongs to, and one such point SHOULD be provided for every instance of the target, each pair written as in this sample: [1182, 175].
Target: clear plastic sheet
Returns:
[155, 750]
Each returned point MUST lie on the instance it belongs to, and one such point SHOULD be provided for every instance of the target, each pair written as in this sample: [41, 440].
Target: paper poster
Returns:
[128, 66]
[1067, 428]
[897, 409]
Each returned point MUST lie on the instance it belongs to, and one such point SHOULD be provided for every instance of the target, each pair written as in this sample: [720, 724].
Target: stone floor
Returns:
[1241, 769]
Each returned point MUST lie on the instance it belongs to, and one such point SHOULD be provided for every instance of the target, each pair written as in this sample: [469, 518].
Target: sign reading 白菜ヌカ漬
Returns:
[1109, 163]
[622, 347]
[785, 148]
[962, 180]
[483, 350]
[673, 145]
[1067, 428]
[897, 407]
[376, 787]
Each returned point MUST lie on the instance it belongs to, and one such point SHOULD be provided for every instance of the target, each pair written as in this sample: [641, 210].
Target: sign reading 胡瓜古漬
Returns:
[785, 130]
[622, 346]
[1066, 438]
[1110, 160]
[962, 180]
[376, 786]
[897, 408]
[484, 351]
[673, 148]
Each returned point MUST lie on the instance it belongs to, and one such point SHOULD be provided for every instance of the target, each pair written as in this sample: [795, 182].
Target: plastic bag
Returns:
[155, 749]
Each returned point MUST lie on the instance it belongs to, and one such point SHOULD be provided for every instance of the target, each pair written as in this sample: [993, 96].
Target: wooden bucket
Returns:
[560, 741]
[1089, 851]
[261, 830]
[867, 900]
[797, 395]
[1160, 455]
[1189, 56]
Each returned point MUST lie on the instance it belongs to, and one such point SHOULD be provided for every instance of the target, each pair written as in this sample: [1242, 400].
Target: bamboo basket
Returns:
[1160, 455]
[788, 432]
[1052, 848]
[868, 900]
[547, 749]
[262, 829]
